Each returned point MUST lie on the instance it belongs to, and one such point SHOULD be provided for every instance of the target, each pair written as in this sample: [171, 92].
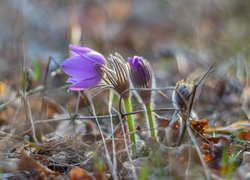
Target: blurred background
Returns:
[211, 30]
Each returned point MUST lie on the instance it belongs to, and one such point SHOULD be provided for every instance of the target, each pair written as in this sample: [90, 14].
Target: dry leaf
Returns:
[77, 173]
[28, 164]
[233, 128]
[199, 126]
[244, 135]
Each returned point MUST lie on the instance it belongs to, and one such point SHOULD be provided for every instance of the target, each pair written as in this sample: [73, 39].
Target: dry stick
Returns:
[78, 102]
[10, 135]
[201, 135]
[27, 107]
[37, 89]
[125, 142]
[29, 116]
[199, 153]
[184, 126]
[103, 139]
[25, 101]
[45, 84]
[99, 117]
[188, 163]
[111, 95]
[102, 88]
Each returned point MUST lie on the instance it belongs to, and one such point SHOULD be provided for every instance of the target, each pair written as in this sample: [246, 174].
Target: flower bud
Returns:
[141, 76]
[115, 74]
[181, 94]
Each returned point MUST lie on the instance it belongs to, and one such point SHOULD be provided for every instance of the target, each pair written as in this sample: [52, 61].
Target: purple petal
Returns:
[72, 80]
[130, 60]
[135, 61]
[87, 83]
[78, 67]
[75, 50]
[87, 53]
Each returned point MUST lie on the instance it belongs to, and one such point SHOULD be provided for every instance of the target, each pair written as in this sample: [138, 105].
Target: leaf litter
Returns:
[73, 148]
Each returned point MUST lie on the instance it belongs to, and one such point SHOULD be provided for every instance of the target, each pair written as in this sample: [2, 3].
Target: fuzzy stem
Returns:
[130, 125]
[150, 119]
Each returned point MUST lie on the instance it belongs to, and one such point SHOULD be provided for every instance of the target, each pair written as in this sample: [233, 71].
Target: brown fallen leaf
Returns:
[28, 164]
[77, 173]
[199, 126]
[215, 151]
[100, 171]
[244, 135]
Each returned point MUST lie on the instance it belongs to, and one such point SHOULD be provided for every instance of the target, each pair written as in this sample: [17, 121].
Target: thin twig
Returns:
[99, 117]
[78, 101]
[206, 169]
[141, 89]
[187, 117]
[45, 84]
[125, 142]
[37, 89]
[29, 116]
[103, 139]
[111, 95]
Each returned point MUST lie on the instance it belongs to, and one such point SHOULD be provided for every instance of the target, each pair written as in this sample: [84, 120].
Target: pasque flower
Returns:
[81, 67]
[141, 76]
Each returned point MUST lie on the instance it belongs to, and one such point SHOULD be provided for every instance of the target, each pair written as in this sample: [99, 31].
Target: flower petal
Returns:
[87, 83]
[134, 62]
[78, 68]
[87, 53]
[72, 80]
[74, 50]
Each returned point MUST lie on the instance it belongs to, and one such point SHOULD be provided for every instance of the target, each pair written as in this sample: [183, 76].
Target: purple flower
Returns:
[141, 76]
[81, 67]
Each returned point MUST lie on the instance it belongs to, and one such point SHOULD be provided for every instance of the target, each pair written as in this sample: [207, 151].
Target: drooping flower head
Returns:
[181, 95]
[141, 76]
[115, 74]
[81, 67]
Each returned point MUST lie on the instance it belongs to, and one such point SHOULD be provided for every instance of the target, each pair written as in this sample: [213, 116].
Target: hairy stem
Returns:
[150, 119]
[130, 125]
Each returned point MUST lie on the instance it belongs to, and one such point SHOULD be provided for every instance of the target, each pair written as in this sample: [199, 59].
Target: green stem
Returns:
[150, 120]
[130, 125]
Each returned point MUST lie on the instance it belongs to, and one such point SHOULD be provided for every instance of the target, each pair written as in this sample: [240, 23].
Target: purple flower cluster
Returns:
[87, 67]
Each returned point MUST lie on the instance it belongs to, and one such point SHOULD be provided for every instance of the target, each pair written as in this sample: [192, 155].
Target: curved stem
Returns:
[130, 125]
[150, 119]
